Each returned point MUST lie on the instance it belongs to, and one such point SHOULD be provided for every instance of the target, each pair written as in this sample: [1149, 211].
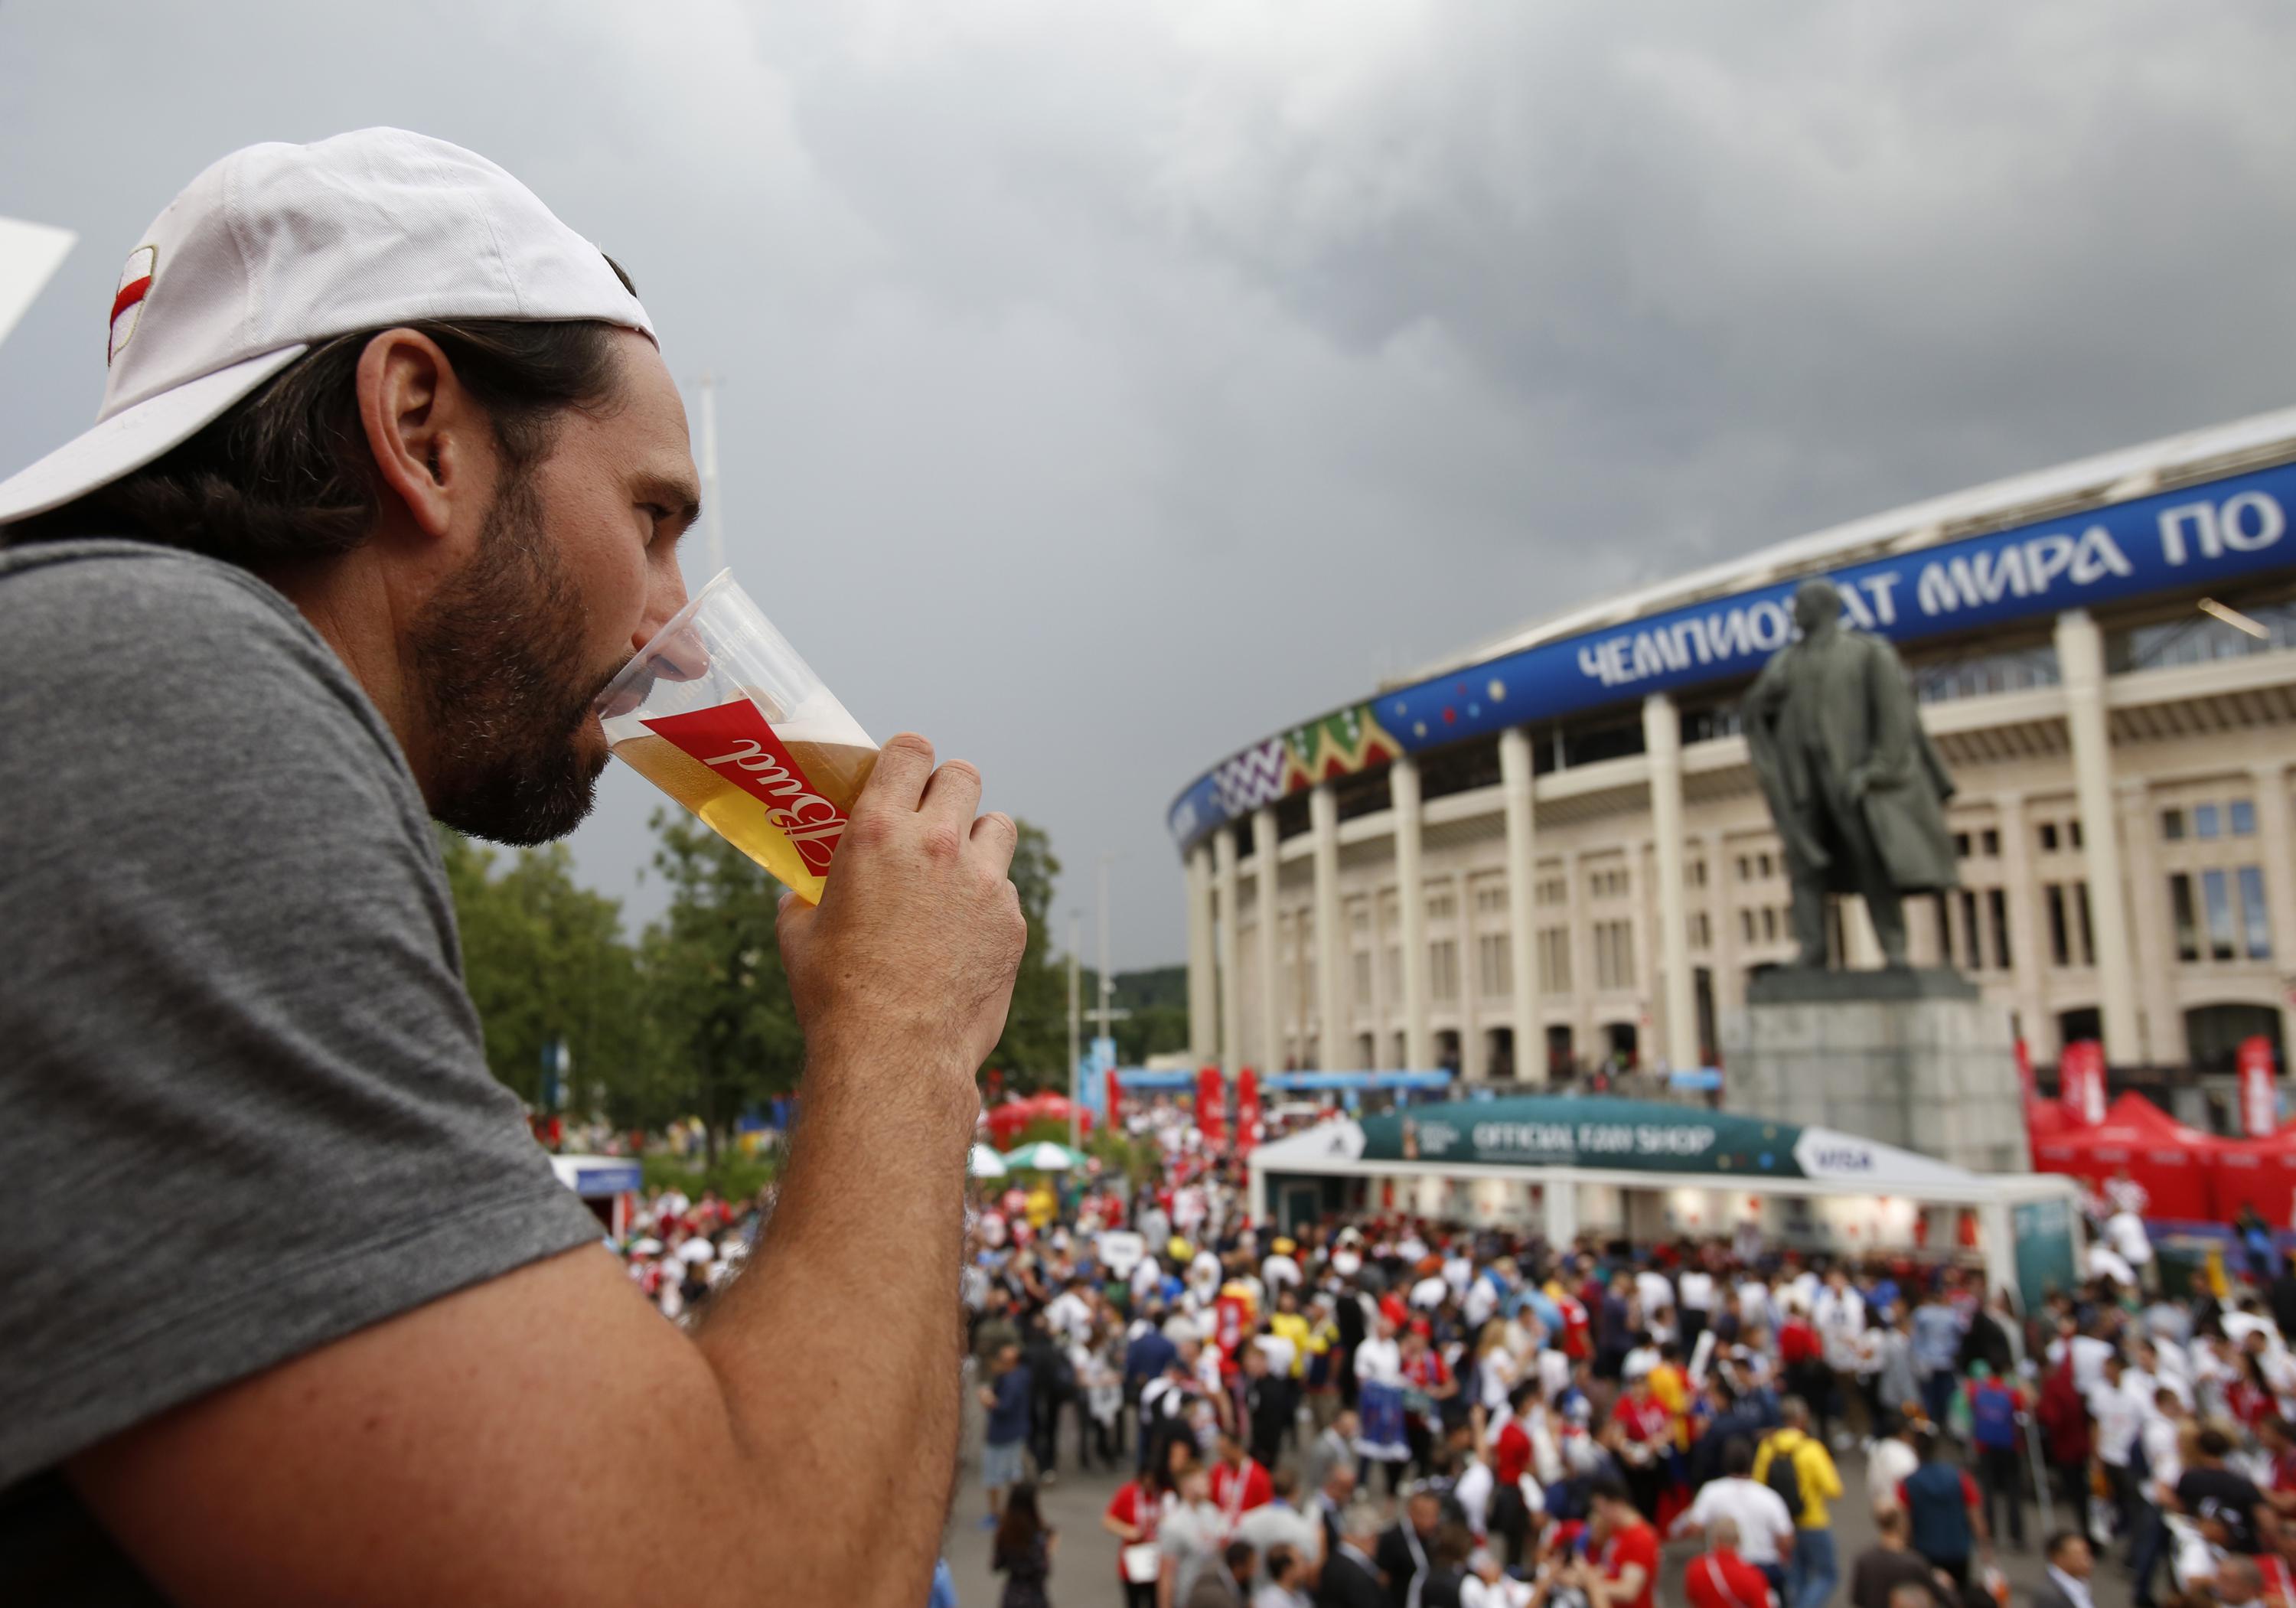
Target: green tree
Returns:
[720, 998]
[545, 962]
[1157, 1007]
[1034, 1051]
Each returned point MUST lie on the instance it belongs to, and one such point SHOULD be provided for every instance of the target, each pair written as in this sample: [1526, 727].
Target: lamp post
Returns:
[1075, 1047]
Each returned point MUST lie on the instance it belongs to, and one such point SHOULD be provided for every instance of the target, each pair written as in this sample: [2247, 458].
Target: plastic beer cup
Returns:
[720, 713]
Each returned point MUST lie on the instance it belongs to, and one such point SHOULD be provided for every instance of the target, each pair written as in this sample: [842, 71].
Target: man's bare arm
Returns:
[546, 1437]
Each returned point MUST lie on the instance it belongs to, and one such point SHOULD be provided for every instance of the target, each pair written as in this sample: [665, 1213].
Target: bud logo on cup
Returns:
[733, 739]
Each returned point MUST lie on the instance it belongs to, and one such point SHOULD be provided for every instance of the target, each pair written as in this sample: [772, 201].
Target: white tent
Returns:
[1649, 1170]
[985, 1163]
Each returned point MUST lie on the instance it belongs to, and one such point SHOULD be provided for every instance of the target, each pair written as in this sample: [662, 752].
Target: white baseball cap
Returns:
[277, 247]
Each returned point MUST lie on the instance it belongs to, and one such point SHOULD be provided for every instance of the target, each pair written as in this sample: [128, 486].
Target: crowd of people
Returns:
[1383, 1411]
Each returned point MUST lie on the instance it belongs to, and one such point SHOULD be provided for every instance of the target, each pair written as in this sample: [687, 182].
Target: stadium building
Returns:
[1549, 852]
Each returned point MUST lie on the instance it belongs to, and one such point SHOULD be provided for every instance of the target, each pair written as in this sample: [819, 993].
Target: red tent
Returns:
[2046, 1118]
[2173, 1163]
[2257, 1172]
[1005, 1121]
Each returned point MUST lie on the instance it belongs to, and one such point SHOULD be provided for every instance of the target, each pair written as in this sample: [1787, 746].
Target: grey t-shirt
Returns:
[244, 1109]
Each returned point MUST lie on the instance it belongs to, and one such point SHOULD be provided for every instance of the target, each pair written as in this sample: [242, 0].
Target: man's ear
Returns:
[418, 421]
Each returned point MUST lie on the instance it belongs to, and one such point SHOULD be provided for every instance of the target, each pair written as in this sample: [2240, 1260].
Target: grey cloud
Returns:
[1107, 386]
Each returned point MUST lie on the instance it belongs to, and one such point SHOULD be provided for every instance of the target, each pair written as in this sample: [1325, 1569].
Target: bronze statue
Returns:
[1853, 784]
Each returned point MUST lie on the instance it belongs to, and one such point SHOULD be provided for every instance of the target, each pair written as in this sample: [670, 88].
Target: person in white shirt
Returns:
[2126, 1230]
[1694, 1299]
[1754, 1307]
[1655, 1291]
[1429, 1293]
[1279, 1523]
[1485, 1293]
[2104, 1262]
[1286, 1572]
[1147, 1278]
[1488, 1586]
[1889, 1463]
[1281, 1270]
[2162, 1439]
[2119, 1415]
[1458, 1270]
[1472, 1491]
[1766, 1530]
[1838, 1316]
[1068, 1315]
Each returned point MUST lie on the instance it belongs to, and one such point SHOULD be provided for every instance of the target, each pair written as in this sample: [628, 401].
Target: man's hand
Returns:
[544, 1436]
[908, 964]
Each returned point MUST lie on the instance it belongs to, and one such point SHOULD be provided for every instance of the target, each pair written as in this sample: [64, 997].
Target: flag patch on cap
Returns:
[128, 302]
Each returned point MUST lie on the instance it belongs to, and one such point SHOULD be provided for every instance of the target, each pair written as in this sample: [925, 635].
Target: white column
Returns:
[1268, 874]
[1662, 738]
[1228, 955]
[2274, 833]
[1467, 974]
[1203, 1033]
[1722, 952]
[1522, 904]
[2021, 884]
[2080, 660]
[1331, 1028]
[1403, 791]
[2148, 924]
[1580, 942]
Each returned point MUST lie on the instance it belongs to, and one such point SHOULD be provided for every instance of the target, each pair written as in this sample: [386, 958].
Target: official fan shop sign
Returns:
[1627, 1136]
[2211, 533]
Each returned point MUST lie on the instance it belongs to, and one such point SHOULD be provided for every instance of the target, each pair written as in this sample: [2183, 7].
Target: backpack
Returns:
[1784, 1477]
[1993, 1416]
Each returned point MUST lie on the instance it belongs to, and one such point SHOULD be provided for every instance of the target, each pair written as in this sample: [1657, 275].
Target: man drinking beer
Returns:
[387, 484]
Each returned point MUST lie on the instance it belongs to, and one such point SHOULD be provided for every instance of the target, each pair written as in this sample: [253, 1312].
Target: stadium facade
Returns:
[1549, 852]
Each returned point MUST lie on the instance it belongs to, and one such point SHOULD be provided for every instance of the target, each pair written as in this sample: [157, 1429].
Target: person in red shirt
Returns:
[1625, 1574]
[1801, 1358]
[1239, 1484]
[1642, 1436]
[1511, 1454]
[1719, 1578]
[1577, 1329]
[1131, 1518]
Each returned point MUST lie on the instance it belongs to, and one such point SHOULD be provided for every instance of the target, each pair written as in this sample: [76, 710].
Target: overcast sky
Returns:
[1108, 385]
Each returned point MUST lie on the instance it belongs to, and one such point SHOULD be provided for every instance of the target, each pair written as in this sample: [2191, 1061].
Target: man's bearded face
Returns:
[499, 658]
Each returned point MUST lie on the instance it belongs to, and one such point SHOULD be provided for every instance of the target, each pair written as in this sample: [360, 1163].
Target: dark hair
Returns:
[1280, 1560]
[1607, 1487]
[2212, 1443]
[286, 474]
[1454, 1545]
[2058, 1539]
[1018, 1532]
[1737, 1457]
[1239, 1555]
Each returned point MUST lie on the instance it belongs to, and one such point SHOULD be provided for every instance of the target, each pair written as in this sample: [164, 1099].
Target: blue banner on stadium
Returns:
[2201, 533]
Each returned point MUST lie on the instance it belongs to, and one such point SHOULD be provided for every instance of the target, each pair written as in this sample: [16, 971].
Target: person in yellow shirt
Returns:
[1669, 1382]
[1288, 1323]
[1043, 1205]
[1816, 1567]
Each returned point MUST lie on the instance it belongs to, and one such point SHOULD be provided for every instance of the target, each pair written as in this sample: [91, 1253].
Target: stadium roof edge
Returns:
[2152, 465]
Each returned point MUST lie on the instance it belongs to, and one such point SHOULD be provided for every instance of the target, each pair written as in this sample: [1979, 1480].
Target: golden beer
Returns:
[831, 771]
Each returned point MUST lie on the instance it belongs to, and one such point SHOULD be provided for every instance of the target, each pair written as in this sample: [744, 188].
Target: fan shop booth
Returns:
[1646, 1171]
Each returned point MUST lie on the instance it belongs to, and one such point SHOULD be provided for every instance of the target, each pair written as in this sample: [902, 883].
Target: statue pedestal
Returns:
[1915, 1059]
